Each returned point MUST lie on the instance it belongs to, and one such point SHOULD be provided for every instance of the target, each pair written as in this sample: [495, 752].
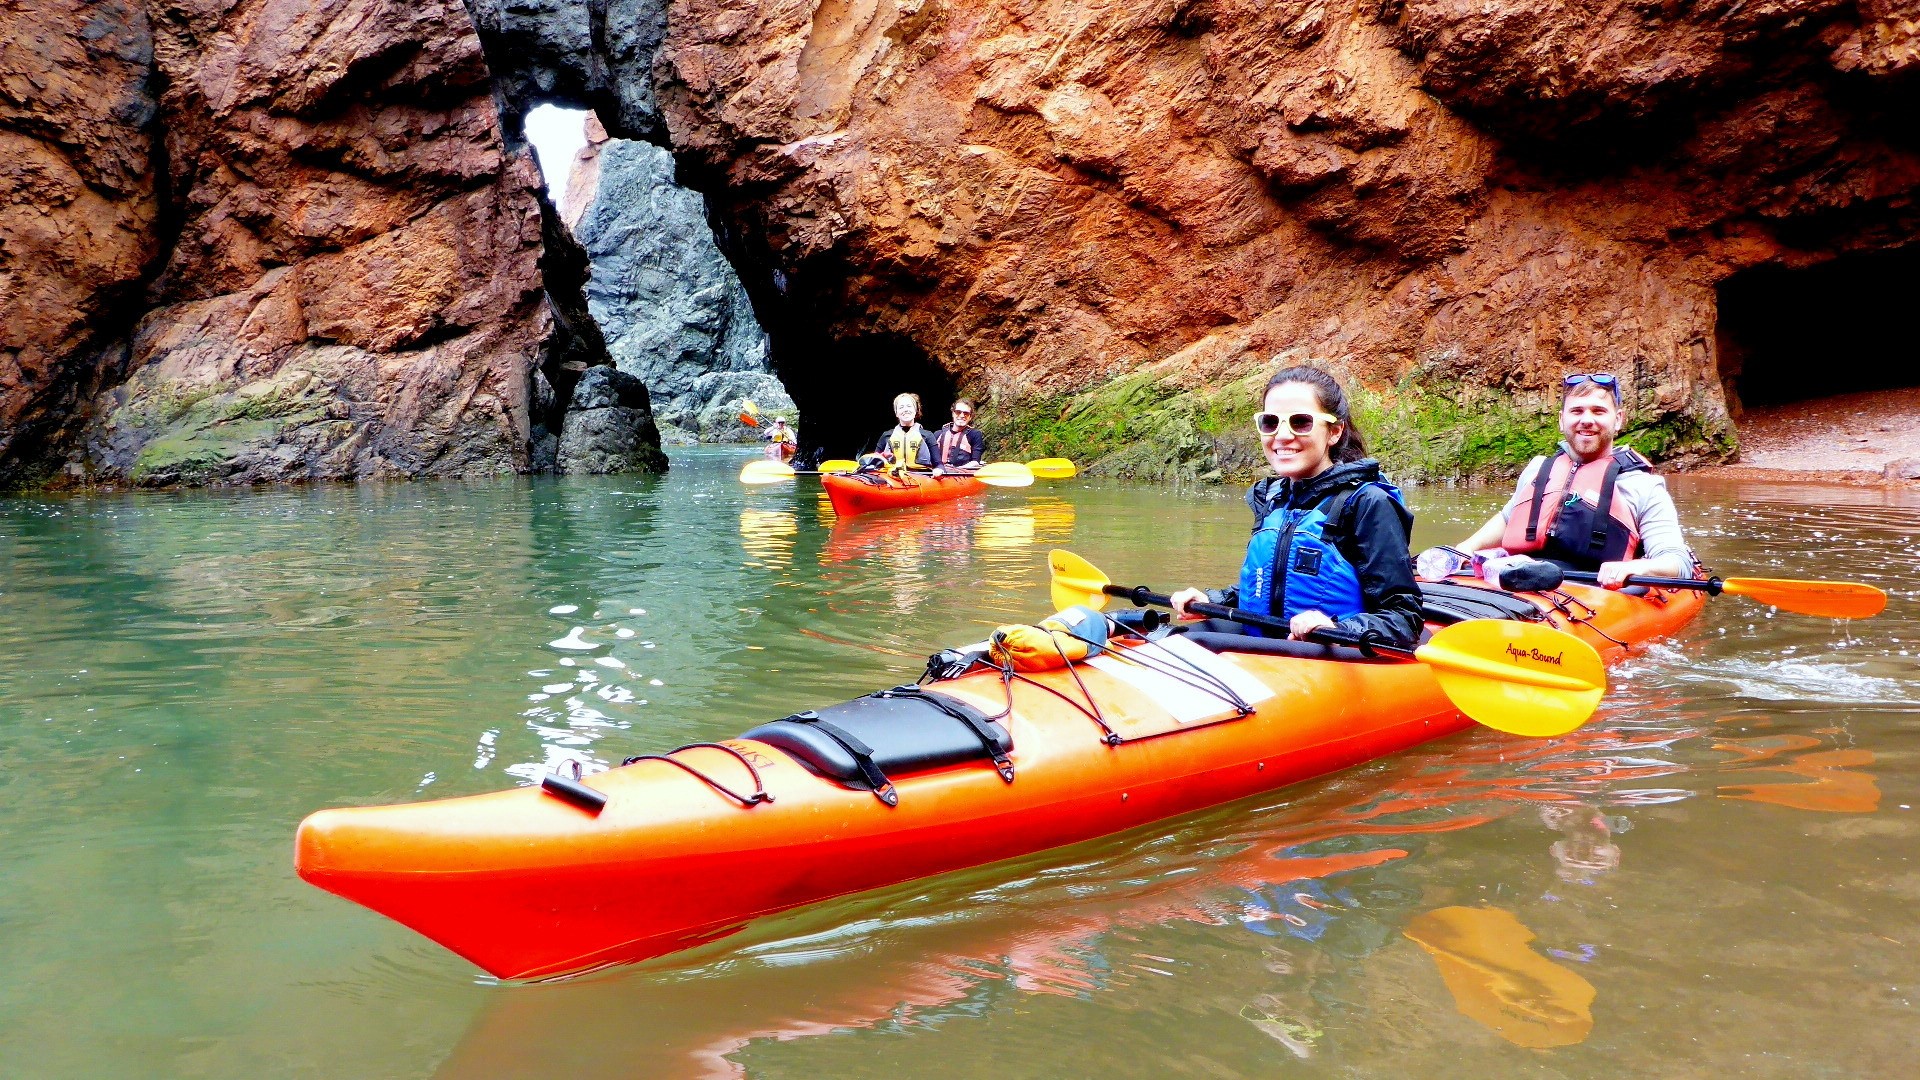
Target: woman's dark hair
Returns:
[1333, 400]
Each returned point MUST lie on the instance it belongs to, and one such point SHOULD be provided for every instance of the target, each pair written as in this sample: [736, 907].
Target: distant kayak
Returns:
[858, 493]
[688, 847]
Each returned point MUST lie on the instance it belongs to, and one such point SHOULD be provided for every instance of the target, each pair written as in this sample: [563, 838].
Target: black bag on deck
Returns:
[864, 742]
[1448, 604]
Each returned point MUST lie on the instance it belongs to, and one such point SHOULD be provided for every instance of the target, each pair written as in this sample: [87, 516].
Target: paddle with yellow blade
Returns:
[1518, 677]
[1053, 468]
[1829, 599]
[766, 471]
[749, 415]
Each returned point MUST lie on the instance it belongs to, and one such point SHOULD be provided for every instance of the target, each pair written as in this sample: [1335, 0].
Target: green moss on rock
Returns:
[1136, 427]
[204, 434]
[1144, 428]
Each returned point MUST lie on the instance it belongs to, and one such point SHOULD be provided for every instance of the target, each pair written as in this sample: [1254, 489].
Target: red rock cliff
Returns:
[1107, 216]
[262, 241]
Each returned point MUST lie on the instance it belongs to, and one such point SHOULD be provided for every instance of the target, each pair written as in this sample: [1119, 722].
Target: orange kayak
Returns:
[858, 493]
[691, 846]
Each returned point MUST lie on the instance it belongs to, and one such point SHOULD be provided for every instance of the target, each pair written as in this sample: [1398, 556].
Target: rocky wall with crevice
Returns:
[263, 241]
[670, 305]
[268, 241]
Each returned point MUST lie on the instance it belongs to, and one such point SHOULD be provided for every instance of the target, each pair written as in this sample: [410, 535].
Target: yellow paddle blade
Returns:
[1005, 474]
[765, 471]
[1517, 677]
[747, 405]
[1076, 581]
[1831, 599]
[839, 465]
[1053, 468]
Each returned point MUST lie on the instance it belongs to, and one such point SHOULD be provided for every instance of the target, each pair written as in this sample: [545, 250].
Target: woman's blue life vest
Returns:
[1319, 577]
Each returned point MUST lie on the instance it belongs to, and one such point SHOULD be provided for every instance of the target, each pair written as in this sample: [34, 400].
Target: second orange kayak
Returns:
[858, 493]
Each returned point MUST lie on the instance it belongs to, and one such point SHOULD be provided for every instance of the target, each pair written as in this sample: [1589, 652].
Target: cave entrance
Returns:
[1839, 327]
[845, 389]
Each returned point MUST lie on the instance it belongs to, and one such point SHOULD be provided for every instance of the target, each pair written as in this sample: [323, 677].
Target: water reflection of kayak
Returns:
[940, 527]
[859, 493]
[526, 885]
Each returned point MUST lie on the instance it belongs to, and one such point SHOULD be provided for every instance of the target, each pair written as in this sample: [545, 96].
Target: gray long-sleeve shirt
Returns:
[1645, 496]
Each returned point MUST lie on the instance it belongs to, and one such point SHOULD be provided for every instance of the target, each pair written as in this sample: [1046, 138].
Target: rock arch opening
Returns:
[1839, 327]
[665, 304]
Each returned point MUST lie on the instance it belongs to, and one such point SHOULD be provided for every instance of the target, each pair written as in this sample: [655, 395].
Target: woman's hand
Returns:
[1179, 601]
[1306, 623]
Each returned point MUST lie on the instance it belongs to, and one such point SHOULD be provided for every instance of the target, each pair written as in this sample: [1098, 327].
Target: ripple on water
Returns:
[573, 642]
[1811, 681]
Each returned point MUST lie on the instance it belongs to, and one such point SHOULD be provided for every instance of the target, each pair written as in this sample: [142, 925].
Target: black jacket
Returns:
[1374, 537]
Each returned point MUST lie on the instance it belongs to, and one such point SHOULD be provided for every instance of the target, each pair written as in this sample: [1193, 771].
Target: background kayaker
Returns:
[1329, 545]
[780, 440]
[1591, 506]
[905, 445]
[958, 447]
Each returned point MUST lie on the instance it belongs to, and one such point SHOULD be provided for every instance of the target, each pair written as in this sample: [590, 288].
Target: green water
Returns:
[1723, 857]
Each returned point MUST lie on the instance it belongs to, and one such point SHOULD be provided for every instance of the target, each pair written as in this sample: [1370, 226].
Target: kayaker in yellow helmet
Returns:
[958, 447]
[1329, 543]
[905, 445]
[1590, 505]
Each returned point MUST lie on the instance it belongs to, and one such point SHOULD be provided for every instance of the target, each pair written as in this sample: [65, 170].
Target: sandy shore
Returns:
[1851, 438]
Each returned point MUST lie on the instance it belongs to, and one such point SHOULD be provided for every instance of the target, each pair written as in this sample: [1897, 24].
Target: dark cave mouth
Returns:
[845, 389]
[1839, 327]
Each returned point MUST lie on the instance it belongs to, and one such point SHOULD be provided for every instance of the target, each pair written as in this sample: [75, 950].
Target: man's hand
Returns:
[1614, 575]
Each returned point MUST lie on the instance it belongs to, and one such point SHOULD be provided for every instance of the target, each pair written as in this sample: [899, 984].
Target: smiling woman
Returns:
[1329, 547]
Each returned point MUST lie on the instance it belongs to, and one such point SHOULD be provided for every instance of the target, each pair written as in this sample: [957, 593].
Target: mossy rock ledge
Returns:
[1151, 427]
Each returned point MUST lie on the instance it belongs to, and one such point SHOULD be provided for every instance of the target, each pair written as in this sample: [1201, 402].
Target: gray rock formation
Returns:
[669, 304]
[609, 426]
[596, 52]
[722, 393]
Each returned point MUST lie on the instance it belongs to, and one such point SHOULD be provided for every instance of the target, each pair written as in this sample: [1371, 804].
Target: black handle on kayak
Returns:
[1711, 586]
[1325, 635]
[569, 790]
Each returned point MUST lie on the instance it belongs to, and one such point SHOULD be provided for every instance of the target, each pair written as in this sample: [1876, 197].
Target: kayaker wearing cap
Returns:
[957, 447]
[1329, 543]
[780, 441]
[904, 446]
[1591, 506]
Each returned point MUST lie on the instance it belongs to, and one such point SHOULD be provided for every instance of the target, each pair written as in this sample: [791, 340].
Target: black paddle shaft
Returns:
[1711, 586]
[1324, 635]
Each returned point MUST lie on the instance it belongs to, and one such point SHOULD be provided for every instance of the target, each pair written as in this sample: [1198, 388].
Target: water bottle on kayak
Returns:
[1439, 563]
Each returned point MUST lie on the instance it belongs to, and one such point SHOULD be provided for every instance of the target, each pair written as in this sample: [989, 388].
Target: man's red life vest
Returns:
[1573, 517]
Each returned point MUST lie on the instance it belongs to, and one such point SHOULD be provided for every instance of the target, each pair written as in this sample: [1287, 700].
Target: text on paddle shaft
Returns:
[1519, 653]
